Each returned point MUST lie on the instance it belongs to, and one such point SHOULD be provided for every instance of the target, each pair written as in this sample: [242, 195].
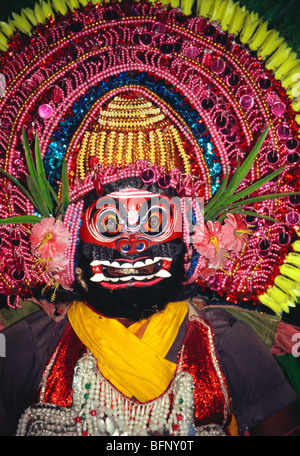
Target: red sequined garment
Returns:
[197, 359]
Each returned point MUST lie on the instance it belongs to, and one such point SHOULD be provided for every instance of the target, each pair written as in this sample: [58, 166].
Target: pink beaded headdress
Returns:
[217, 91]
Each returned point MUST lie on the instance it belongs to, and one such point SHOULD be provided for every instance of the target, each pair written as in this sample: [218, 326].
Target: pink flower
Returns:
[62, 279]
[207, 273]
[235, 233]
[208, 239]
[57, 264]
[219, 260]
[49, 238]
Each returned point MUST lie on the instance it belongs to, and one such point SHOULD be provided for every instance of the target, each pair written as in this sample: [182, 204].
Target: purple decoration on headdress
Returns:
[278, 108]
[18, 276]
[167, 48]
[292, 144]
[218, 66]
[207, 103]
[292, 218]
[264, 247]
[293, 158]
[159, 27]
[283, 132]
[145, 39]
[284, 238]
[45, 111]
[192, 52]
[264, 83]
[29, 85]
[246, 101]
[148, 176]
[227, 130]
[164, 181]
[294, 200]
[233, 80]
[221, 120]
[272, 157]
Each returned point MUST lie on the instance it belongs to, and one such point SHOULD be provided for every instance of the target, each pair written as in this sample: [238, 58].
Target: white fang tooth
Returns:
[95, 263]
[113, 279]
[139, 278]
[115, 264]
[97, 278]
[126, 265]
[126, 279]
[156, 259]
[163, 273]
[98, 262]
[150, 277]
[138, 264]
[148, 261]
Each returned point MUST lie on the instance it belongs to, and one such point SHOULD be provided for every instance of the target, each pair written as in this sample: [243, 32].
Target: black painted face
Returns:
[137, 281]
[132, 302]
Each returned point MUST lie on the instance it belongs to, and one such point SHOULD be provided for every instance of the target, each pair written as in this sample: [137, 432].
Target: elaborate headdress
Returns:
[204, 103]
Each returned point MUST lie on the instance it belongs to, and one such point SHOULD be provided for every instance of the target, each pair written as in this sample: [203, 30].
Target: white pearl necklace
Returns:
[100, 409]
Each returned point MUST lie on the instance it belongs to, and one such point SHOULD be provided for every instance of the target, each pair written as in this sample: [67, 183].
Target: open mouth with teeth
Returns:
[121, 274]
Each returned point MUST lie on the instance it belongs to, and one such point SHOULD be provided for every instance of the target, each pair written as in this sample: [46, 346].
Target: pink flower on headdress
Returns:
[62, 279]
[219, 260]
[234, 232]
[49, 238]
[57, 264]
[207, 240]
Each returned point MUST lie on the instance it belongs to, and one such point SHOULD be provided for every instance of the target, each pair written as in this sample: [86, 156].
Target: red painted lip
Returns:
[121, 260]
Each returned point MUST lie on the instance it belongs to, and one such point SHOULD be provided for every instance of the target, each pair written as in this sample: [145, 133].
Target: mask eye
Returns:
[108, 223]
[155, 222]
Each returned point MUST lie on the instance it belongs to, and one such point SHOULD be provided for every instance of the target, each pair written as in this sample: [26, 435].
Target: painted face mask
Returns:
[131, 222]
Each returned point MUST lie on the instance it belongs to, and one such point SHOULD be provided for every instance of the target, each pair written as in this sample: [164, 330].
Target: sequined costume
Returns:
[239, 364]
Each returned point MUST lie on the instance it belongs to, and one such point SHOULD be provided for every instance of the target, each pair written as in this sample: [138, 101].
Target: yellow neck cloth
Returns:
[135, 366]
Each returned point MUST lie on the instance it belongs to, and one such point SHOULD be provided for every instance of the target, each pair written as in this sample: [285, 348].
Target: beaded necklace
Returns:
[99, 409]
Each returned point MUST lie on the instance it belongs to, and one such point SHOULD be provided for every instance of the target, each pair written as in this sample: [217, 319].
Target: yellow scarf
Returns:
[135, 366]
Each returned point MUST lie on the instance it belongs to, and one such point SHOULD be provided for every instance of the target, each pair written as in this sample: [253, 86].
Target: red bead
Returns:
[93, 412]
[98, 186]
[94, 162]
[84, 433]
[77, 419]
[179, 417]
[175, 427]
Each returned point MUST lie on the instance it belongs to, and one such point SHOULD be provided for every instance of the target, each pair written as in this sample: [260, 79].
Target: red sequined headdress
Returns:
[215, 81]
